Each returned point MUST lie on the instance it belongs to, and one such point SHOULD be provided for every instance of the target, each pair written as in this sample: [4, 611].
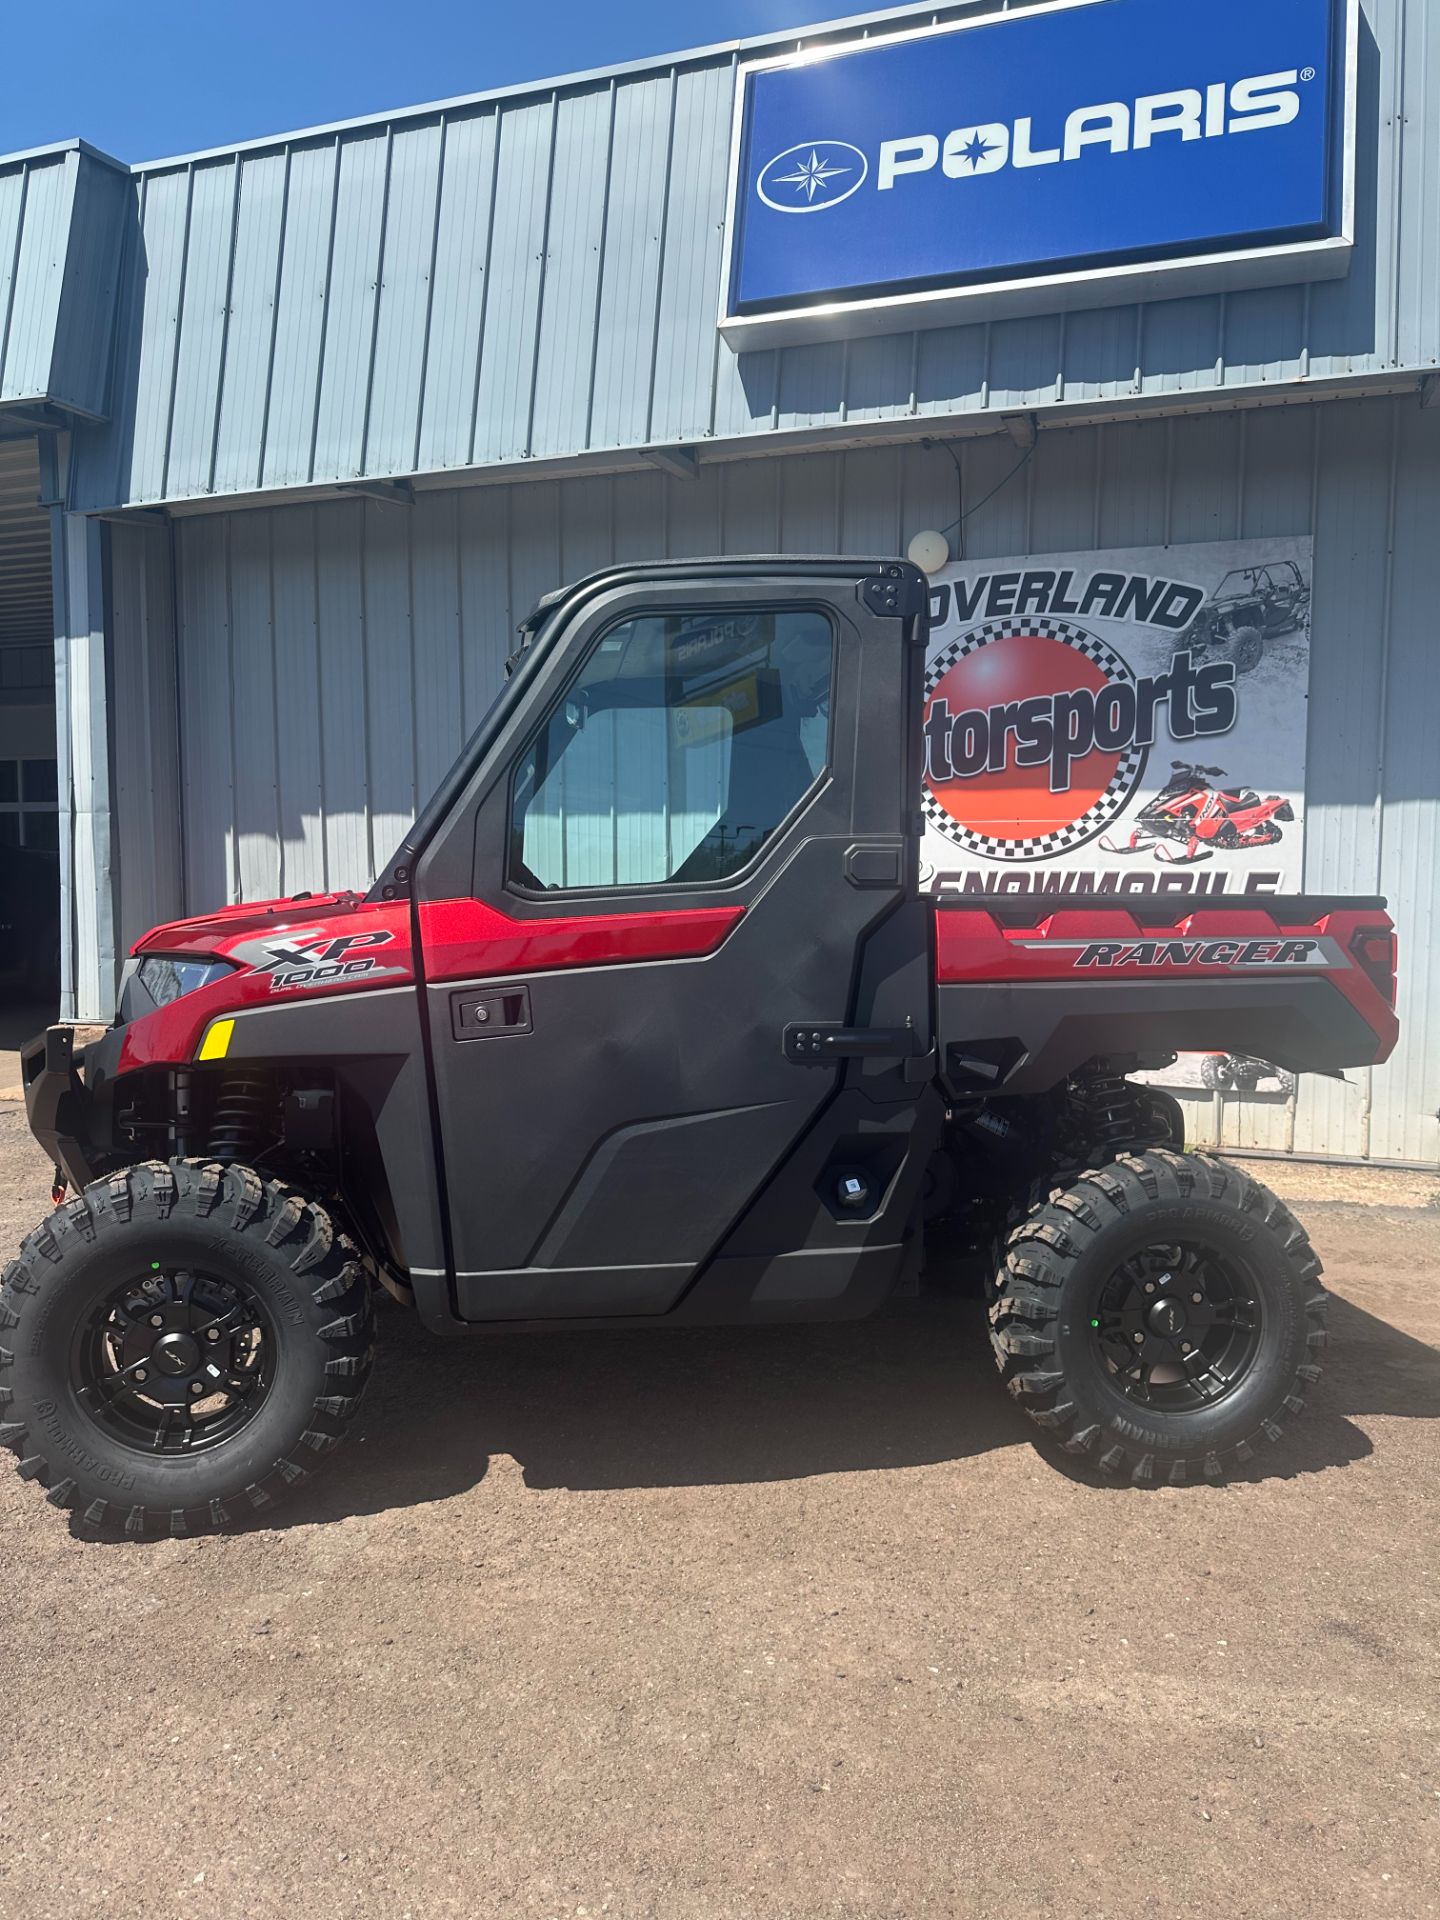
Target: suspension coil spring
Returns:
[1109, 1107]
[243, 1121]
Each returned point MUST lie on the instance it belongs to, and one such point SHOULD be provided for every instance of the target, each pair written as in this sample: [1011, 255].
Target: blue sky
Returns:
[146, 78]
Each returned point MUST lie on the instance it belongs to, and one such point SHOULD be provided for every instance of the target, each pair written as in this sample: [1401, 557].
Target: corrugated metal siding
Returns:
[539, 277]
[333, 658]
[62, 222]
[144, 734]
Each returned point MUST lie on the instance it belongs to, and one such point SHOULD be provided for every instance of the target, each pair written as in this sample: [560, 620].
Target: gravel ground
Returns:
[789, 1623]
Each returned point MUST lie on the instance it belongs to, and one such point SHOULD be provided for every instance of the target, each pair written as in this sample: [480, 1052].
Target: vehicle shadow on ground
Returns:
[715, 1407]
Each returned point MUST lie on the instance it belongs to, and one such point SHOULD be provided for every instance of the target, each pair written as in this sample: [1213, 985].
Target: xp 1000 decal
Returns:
[1129, 722]
[313, 957]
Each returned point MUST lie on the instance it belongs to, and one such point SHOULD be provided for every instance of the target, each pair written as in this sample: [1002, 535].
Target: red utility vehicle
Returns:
[648, 1022]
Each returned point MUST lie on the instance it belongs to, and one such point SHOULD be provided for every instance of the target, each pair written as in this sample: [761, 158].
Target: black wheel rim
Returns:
[174, 1361]
[1177, 1327]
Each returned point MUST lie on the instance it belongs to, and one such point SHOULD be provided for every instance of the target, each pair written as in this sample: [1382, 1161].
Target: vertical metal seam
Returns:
[322, 342]
[660, 264]
[224, 330]
[1317, 453]
[177, 652]
[1387, 639]
[603, 251]
[269, 520]
[25, 172]
[1062, 349]
[275, 292]
[1387, 635]
[234, 886]
[460, 636]
[1097, 522]
[507, 493]
[529, 444]
[323, 808]
[379, 290]
[364, 508]
[1397, 180]
[1169, 509]
[179, 331]
[430, 293]
[497, 119]
[717, 342]
[407, 520]
[1242, 456]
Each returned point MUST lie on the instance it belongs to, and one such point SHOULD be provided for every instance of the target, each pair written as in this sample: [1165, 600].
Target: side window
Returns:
[683, 742]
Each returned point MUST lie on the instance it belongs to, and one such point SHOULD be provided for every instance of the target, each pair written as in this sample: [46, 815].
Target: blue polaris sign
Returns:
[1081, 137]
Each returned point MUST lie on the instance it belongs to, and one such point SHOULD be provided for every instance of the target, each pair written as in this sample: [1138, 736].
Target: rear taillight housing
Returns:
[1375, 955]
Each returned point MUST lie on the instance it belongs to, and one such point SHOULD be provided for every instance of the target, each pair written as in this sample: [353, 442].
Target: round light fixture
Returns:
[930, 552]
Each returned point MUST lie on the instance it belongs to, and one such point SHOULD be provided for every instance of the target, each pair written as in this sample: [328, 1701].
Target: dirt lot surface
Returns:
[786, 1624]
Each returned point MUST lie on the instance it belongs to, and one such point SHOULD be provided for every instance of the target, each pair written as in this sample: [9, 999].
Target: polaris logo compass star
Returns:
[817, 174]
[812, 175]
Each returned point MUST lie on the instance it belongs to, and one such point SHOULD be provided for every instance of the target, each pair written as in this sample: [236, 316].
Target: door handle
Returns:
[482, 1014]
[814, 1046]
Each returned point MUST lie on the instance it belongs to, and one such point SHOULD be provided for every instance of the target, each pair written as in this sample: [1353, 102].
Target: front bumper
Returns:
[57, 1103]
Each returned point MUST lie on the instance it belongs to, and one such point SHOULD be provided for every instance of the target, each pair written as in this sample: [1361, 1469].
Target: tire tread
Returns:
[1043, 1248]
[253, 1207]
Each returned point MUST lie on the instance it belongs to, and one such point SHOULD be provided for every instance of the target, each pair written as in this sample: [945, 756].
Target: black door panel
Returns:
[600, 1156]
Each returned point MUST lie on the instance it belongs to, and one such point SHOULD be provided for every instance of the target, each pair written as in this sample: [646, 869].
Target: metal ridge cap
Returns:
[55, 149]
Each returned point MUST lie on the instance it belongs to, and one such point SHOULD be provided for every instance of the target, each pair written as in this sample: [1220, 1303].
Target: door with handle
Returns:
[654, 892]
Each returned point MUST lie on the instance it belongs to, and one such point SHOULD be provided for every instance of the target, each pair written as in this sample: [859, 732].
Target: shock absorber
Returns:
[1107, 1106]
[242, 1123]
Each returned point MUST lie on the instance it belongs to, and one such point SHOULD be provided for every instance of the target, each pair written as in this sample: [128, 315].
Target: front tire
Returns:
[1216, 1073]
[1246, 647]
[182, 1344]
[1159, 1317]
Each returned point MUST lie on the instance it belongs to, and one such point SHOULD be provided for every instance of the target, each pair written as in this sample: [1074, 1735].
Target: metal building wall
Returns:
[535, 276]
[333, 658]
[144, 729]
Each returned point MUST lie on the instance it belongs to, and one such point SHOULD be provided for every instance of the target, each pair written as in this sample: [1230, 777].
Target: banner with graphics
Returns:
[1128, 722]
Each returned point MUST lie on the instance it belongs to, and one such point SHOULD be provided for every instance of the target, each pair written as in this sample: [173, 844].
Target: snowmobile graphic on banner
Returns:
[1129, 722]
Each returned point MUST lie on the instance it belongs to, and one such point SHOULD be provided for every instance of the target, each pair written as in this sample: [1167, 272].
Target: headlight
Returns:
[166, 977]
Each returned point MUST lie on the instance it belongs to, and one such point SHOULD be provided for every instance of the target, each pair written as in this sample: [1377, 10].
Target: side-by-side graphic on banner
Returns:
[1129, 722]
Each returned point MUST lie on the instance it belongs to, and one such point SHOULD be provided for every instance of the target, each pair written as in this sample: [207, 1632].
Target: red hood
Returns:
[207, 931]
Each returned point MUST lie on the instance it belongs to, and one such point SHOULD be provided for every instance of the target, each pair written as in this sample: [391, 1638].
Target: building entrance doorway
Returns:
[29, 790]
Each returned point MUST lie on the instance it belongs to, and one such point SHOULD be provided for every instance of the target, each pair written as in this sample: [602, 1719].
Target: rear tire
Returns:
[1057, 1334]
[76, 1306]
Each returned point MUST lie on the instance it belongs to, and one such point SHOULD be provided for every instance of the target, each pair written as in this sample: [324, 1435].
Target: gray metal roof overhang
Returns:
[526, 281]
[62, 224]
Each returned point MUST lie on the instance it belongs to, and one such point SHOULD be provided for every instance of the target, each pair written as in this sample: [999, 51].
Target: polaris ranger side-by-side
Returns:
[648, 1022]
